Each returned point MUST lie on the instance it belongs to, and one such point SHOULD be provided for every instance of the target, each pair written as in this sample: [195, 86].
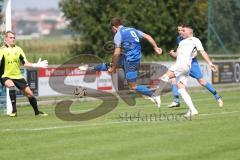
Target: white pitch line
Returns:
[62, 127]
[211, 114]
[99, 124]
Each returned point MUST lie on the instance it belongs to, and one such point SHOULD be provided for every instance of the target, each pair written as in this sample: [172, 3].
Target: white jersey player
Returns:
[187, 50]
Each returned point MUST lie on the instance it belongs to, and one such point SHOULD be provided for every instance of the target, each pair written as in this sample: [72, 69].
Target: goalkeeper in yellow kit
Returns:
[11, 58]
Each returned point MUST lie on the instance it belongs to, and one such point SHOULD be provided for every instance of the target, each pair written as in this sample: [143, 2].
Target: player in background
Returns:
[128, 39]
[195, 72]
[176, 101]
[11, 58]
[185, 52]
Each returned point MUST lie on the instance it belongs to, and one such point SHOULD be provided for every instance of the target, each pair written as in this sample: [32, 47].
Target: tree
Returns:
[90, 21]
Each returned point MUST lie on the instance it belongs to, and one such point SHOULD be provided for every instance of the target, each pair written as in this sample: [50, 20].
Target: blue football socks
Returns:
[144, 90]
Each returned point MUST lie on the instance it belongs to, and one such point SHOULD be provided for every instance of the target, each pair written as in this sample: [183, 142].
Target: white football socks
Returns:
[187, 99]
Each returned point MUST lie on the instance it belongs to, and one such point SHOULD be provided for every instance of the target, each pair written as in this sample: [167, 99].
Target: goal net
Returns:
[223, 27]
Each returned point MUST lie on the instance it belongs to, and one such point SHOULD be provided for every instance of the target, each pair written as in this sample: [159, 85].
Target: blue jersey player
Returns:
[195, 72]
[128, 39]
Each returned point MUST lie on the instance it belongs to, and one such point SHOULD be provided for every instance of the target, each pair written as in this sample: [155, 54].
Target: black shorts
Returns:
[19, 83]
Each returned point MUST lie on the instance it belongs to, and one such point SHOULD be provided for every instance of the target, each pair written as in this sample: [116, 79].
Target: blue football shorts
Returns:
[131, 70]
[195, 70]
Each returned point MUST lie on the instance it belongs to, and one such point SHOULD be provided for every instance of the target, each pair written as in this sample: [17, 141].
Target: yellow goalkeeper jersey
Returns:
[11, 59]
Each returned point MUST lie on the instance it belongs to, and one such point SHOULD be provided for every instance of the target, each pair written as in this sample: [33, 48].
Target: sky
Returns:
[38, 4]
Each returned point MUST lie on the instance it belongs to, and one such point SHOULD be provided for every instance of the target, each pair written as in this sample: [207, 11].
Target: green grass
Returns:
[212, 135]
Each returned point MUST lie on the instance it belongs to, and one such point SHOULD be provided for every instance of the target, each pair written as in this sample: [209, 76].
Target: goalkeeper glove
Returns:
[40, 64]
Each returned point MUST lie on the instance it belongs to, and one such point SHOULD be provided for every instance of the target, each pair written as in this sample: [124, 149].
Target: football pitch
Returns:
[137, 132]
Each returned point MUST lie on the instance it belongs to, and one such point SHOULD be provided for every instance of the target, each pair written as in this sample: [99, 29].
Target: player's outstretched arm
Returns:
[153, 43]
[116, 54]
[39, 64]
[207, 59]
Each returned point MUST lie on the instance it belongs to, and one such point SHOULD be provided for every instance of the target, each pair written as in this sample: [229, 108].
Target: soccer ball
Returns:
[80, 92]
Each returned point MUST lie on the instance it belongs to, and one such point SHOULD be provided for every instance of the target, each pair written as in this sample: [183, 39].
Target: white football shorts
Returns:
[181, 72]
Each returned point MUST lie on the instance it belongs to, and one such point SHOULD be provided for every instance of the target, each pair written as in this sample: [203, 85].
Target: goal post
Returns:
[6, 25]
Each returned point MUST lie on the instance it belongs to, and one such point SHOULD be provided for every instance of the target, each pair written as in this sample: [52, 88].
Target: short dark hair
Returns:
[181, 24]
[116, 22]
[188, 26]
[6, 34]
